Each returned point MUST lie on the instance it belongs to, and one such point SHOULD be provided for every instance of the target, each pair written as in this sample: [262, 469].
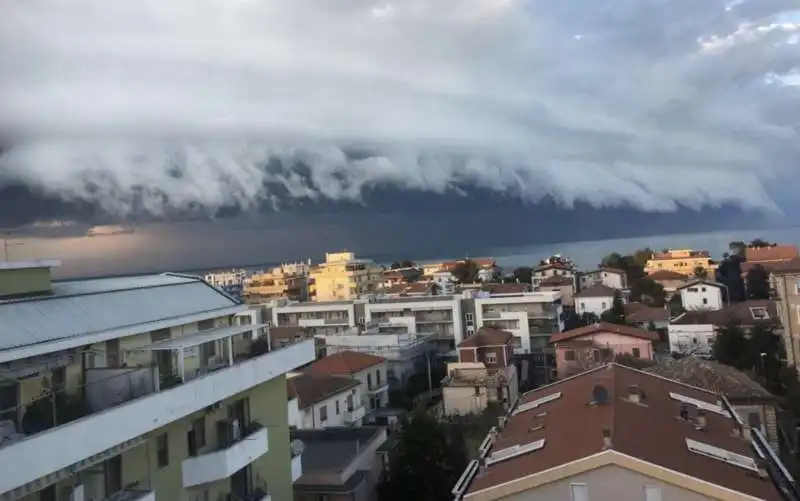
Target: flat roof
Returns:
[198, 338]
[335, 448]
[26, 265]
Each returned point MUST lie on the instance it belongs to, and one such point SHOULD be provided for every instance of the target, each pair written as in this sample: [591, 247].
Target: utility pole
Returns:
[6, 237]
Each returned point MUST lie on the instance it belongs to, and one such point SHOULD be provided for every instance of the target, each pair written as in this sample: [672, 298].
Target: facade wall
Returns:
[788, 305]
[310, 418]
[691, 338]
[596, 305]
[701, 297]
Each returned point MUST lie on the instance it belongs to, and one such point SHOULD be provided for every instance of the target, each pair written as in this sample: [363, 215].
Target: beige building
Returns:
[150, 388]
[342, 277]
[786, 280]
[683, 261]
[288, 281]
[617, 433]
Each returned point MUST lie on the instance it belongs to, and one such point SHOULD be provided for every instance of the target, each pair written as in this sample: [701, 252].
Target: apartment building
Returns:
[595, 300]
[670, 280]
[231, 281]
[320, 317]
[369, 370]
[342, 277]
[786, 280]
[552, 267]
[702, 295]
[439, 317]
[610, 277]
[531, 317]
[683, 261]
[616, 433]
[146, 388]
[286, 281]
[319, 401]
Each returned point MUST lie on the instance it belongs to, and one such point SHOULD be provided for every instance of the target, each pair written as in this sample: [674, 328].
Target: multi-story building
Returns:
[610, 277]
[683, 261]
[141, 388]
[231, 281]
[786, 281]
[369, 370]
[702, 295]
[531, 317]
[320, 317]
[484, 374]
[436, 316]
[318, 401]
[616, 433]
[286, 281]
[342, 277]
[552, 267]
[670, 280]
[595, 300]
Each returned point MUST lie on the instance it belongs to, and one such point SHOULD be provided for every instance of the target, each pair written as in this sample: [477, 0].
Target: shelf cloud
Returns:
[153, 107]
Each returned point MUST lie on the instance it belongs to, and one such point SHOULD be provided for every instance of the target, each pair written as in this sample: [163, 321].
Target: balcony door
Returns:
[241, 482]
[9, 398]
[112, 476]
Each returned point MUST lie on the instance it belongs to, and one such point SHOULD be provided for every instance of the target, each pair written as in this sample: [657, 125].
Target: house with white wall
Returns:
[531, 317]
[433, 315]
[320, 401]
[610, 277]
[551, 268]
[596, 299]
[369, 370]
[702, 295]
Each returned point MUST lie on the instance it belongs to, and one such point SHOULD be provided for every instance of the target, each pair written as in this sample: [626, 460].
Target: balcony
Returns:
[319, 322]
[232, 455]
[374, 389]
[354, 415]
[133, 494]
[113, 430]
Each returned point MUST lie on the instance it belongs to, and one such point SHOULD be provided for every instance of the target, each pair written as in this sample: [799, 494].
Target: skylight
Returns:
[536, 403]
[514, 451]
[723, 455]
[700, 404]
[759, 313]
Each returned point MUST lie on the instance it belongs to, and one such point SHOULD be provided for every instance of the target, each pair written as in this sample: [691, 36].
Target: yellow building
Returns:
[153, 388]
[289, 281]
[683, 261]
[342, 277]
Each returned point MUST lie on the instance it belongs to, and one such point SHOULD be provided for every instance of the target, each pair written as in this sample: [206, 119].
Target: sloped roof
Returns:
[344, 363]
[650, 431]
[310, 389]
[712, 376]
[623, 330]
[640, 312]
[696, 282]
[487, 336]
[84, 307]
[744, 313]
[557, 281]
[506, 288]
[772, 253]
[598, 290]
[662, 275]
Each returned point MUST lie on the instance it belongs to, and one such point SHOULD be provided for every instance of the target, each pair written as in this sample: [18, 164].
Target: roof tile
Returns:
[344, 363]
[487, 336]
[310, 389]
[623, 330]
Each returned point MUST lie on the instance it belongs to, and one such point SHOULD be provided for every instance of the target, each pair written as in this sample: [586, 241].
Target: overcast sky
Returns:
[131, 110]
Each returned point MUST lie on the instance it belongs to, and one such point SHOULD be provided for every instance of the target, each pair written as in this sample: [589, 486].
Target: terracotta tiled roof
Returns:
[310, 389]
[746, 313]
[506, 288]
[344, 363]
[557, 281]
[651, 431]
[712, 376]
[553, 266]
[623, 330]
[487, 336]
[483, 262]
[412, 288]
[662, 275]
[641, 313]
[775, 253]
[599, 290]
[791, 266]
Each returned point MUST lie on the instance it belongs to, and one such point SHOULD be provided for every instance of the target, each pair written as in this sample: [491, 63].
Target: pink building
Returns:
[583, 348]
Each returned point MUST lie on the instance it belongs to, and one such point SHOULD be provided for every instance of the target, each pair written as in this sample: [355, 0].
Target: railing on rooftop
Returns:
[62, 406]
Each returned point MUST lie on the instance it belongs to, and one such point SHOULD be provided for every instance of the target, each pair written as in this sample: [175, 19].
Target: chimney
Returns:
[761, 464]
[634, 394]
[606, 438]
[700, 420]
[747, 433]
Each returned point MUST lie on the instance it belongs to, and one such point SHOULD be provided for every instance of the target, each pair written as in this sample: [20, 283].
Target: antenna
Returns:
[599, 394]
[6, 237]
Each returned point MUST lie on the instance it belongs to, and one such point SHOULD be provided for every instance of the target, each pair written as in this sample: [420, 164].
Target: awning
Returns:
[198, 338]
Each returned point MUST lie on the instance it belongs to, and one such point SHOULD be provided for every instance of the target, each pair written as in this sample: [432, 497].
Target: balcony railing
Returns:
[133, 493]
[232, 454]
[108, 431]
[355, 414]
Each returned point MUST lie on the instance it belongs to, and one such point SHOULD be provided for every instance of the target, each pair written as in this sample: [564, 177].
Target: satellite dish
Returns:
[599, 394]
[297, 447]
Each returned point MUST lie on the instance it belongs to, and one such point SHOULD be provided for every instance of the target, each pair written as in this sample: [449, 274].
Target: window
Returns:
[705, 300]
[323, 413]
[692, 289]
[469, 317]
[569, 355]
[636, 353]
[378, 377]
[754, 420]
[652, 493]
[583, 306]
[491, 358]
[196, 437]
[596, 355]
[369, 381]
[603, 306]
[205, 325]
[579, 492]
[338, 411]
[350, 403]
[162, 450]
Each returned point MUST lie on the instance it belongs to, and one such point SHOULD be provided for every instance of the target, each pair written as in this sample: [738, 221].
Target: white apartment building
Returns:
[532, 317]
[369, 370]
[595, 300]
[138, 388]
[616, 279]
[322, 401]
[437, 316]
[323, 317]
[702, 295]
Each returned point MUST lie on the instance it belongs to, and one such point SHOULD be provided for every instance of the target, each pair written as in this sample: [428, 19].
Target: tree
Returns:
[616, 315]
[758, 243]
[730, 274]
[589, 318]
[732, 348]
[466, 271]
[701, 273]
[758, 283]
[426, 463]
[523, 275]
[675, 305]
[737, 247]
[648, 291]
[571, 320]
[635, 362]
[632, 264]
[406, 263]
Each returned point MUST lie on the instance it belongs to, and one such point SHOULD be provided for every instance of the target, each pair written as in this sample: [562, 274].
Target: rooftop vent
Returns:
[723, 455]
[606, 438]
[700, 404]
[20, 279]
[684, 412]
[536, 403]
[700, 420]
[514, 451]
[635, 394]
